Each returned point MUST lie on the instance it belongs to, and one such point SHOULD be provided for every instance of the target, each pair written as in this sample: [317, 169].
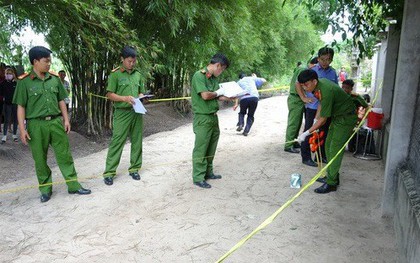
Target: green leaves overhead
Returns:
[364, 18]
[174, 38]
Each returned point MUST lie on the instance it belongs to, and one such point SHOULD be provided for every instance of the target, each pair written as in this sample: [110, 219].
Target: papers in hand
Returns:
[138, 106]
[232, 89]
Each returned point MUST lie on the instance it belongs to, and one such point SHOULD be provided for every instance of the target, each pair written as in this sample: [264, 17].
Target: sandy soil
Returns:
[164, 218]
[16, 160]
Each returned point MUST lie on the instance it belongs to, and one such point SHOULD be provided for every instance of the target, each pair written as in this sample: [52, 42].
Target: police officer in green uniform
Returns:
[339, 106]
[296, 105]
[204, 95]
[40, 99]
[125, 84]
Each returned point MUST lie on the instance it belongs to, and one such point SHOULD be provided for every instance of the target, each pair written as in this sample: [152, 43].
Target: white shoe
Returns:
[3, 140]
[15, 138]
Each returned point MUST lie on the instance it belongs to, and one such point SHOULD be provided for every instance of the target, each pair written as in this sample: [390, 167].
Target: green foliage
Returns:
[10, 52]
[366, 80]
[364, 18]
[174, 39]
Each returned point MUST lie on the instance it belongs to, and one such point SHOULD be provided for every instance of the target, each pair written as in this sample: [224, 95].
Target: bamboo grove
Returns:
[173, 37]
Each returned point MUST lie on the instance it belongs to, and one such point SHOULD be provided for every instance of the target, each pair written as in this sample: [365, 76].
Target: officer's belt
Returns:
[46, 118]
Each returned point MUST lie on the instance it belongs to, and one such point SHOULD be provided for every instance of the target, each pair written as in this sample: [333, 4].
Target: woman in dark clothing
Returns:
[7, 89]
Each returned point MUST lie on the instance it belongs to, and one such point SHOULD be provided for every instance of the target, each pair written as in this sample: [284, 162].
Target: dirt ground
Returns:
[164, 218]
[16, 159]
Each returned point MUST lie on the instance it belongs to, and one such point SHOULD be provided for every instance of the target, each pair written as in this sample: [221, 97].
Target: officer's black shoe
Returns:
[212, 177]
[135, 175]
[310, 163]
[292, 150]
[81, 191]
[245, 133]
[108, 180]
[325, 188]
[323, 180]
[296, 145]
[202, 184]
[45, 197]
[240, 127]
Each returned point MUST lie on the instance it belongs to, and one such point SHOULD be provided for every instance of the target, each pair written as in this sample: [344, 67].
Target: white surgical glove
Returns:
[220, 92]
[303, 136]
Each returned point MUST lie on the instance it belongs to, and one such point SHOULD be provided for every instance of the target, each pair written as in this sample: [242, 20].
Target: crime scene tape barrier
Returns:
[187, 98]
[271, 218]
[84, 179]
[87, 178]
[266, 222]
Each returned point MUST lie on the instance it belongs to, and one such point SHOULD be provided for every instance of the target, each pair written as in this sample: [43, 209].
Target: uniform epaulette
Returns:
[208, 74]
[354, 94]
[24, 75]
[53, 73]
[115, 69]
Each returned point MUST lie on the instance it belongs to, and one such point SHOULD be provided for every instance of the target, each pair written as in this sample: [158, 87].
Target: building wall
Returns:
[407, 218]
[402, 169]
[414, 151]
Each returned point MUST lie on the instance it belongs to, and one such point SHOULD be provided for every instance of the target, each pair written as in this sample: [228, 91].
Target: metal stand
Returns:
[366, 155]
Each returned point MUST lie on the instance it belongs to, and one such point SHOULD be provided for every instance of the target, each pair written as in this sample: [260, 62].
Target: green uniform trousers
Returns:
[340, 131]
[126, 123]
[207, 132]
[43, 133]
[294, 119]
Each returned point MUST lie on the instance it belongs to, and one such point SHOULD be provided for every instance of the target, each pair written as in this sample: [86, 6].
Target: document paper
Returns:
[138, 106]
[232, 89]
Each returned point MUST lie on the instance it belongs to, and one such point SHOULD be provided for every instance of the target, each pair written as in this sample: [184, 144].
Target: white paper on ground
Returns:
[138, 106]
[232, 89]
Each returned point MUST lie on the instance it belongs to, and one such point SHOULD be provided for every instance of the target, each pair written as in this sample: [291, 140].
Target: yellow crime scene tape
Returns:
[187, 98]
[83, 179]
[266, 222]
[271, 218]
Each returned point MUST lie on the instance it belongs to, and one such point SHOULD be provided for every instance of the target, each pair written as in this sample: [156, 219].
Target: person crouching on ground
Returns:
[40, 99]
[339, 106]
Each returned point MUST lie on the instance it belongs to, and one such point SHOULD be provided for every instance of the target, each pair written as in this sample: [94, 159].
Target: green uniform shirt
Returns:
[202, 81]
[334, 101]
[296, 73]
[359, 101]
[39, 97]
[123, 83]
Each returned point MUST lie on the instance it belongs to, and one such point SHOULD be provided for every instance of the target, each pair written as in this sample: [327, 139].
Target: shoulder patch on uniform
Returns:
[317, 94]
[203, 71]
[24, 75]
[53, 73]
[115, 69]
